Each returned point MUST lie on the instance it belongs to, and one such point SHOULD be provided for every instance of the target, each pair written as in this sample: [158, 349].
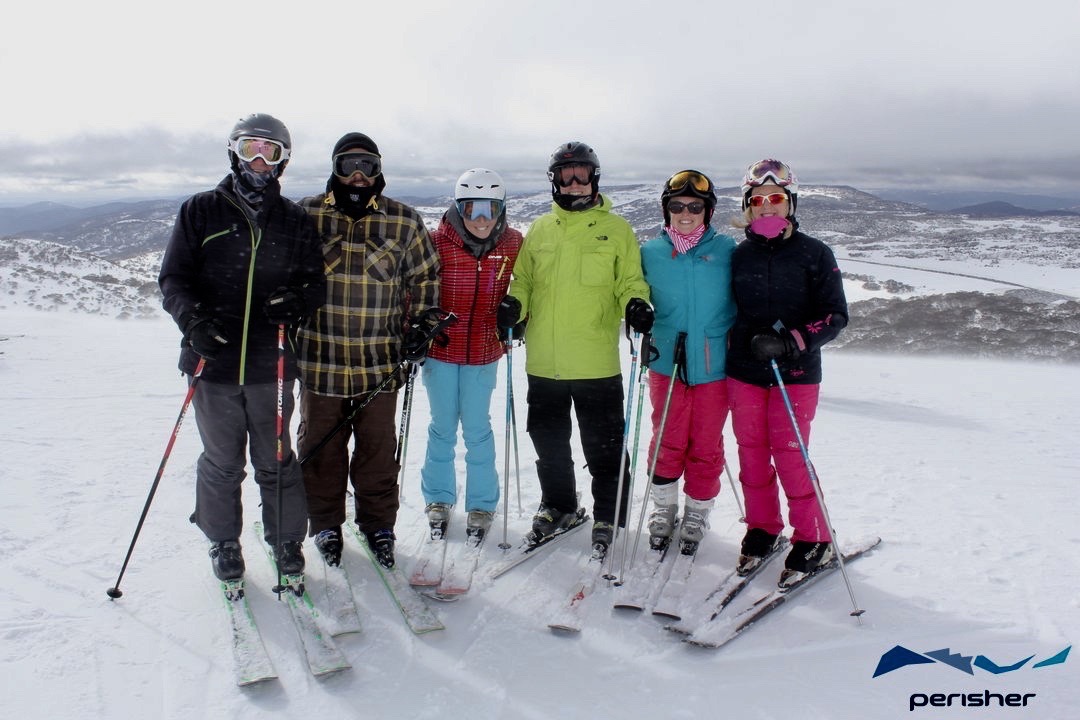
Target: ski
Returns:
[528, 548]
[428, 568]
[718, 633]
[342, 614]
[323, 656]
[724, 593]
[459, 569]
[669, 604]
[644, 581]
[414, 609]
[251, 661]
[569, 617]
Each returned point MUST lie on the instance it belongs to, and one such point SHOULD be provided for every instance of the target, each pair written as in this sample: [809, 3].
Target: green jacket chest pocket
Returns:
[598, 267]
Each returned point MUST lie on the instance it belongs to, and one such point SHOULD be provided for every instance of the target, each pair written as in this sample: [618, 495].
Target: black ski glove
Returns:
[205, 335]
[639, 315]
[416, 344]
[771, 345]
[419, 336]
[508, 314]
[285, 306]
[519, 332]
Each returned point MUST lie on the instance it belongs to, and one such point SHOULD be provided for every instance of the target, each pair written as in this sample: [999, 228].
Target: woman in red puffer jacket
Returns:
[477, 251]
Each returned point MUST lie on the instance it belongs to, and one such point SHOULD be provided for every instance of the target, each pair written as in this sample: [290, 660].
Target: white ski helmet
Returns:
[480, 183]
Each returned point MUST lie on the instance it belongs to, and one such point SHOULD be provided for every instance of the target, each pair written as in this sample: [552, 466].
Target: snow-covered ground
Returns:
[966, 469]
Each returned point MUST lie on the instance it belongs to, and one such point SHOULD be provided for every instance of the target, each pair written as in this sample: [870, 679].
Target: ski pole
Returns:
[623, 456]
[403, 428]
[280, 587]
[390, 377]
[856, 612]
[734, 493]
[678, 360]
[514, 434]
[114, 592]
[505, 544]
[648, 354]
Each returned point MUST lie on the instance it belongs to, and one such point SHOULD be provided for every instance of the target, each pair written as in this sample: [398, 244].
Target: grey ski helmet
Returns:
[263, 126]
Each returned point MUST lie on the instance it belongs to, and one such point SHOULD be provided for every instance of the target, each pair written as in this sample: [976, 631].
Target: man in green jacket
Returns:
[578, 272]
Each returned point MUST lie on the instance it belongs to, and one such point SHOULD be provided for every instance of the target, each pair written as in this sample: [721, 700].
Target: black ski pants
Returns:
[233, 421]
[598, 405]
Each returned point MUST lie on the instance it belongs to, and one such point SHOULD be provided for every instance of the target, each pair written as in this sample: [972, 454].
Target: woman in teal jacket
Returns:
[688, 269]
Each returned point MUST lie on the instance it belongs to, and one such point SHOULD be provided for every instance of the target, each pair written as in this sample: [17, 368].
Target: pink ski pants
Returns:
[768, 447]
[693, 442]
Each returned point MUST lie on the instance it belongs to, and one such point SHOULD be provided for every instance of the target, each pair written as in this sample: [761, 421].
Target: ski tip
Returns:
[442, 597]
[564, 629]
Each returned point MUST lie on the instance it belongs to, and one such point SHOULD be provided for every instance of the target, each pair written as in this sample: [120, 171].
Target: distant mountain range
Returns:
[104, 260]
[953, 200]
[1001, 209]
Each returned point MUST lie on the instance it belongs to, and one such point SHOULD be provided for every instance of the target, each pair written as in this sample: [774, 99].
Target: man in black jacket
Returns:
[243, 261]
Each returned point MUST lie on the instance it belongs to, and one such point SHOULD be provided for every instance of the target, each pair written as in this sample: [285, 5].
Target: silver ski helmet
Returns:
[771, 172]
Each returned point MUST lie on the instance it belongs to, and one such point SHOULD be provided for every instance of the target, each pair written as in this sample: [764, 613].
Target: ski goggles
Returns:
[692, 178]
[567, 175]
[348, 163]
[696, 208]
[482, 208]
[764, 172]
[248, 148]
[771, 198]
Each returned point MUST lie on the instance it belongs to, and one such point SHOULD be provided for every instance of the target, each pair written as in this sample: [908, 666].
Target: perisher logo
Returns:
[899, 657]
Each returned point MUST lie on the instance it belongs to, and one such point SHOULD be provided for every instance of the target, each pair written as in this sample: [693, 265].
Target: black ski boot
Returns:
[227, 560]
[757, 545]
[381, 543]
[805, 558]
[602, 535]
[290, 557]
[329, 543]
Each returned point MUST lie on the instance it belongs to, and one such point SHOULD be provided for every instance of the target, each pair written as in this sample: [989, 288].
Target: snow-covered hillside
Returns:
[966, 469]
[901, 265]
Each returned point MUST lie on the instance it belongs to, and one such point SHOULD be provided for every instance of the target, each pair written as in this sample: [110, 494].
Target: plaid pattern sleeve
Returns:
[379, 268]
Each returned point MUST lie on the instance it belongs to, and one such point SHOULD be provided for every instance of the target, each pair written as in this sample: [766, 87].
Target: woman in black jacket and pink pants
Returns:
[789, 297]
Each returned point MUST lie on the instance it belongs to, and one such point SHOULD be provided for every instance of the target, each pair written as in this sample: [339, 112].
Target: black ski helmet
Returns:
[689, 183]
[263, 126]
[573, 153]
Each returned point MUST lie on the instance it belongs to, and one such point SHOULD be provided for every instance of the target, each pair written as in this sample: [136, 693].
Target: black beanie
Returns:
[355, 141]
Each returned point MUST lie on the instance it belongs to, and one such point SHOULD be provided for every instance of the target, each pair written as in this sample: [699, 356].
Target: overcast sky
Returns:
[116, 99]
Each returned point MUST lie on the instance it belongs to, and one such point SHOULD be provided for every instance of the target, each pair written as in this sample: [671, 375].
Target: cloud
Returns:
[847, 92]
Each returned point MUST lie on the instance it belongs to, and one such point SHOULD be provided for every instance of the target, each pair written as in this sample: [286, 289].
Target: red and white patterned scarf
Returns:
[682, 242]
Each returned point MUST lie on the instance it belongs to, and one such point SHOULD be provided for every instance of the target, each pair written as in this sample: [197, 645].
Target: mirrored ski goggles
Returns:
[482, 208]
[348, 163]
[567, 175]
[696, 208]
[693, 178]
[771, 198]
[764, 172]
[248, 148]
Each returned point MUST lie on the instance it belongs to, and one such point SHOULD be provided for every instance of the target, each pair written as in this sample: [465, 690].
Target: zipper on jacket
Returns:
[256, 238]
